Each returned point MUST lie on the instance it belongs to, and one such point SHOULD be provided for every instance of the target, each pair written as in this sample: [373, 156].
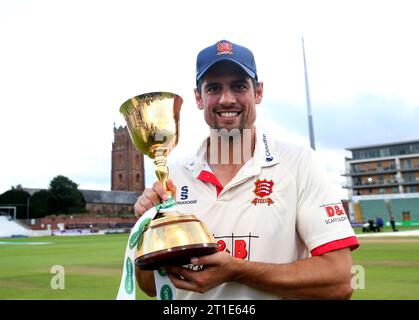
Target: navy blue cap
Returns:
[225, 51]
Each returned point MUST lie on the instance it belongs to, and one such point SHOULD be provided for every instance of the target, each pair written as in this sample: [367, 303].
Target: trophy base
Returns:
[174, 256]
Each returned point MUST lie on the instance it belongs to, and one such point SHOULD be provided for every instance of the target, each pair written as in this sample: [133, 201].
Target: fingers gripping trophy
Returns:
[168, 237]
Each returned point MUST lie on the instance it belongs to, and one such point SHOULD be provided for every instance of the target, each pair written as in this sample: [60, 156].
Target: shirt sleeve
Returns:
[322, 222]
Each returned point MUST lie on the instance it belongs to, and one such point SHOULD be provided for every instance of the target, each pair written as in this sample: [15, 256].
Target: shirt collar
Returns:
[198, 161]
[265, 154]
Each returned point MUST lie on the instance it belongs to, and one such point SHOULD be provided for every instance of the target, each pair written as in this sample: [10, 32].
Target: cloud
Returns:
[365, 119]
[368, 119]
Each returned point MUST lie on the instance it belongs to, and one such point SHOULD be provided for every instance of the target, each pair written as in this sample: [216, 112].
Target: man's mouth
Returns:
[228, 114]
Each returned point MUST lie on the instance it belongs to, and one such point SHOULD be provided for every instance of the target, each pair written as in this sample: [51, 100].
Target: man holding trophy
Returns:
[279, 228]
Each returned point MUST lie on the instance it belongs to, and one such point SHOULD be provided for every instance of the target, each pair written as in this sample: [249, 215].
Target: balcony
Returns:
[409, 168]
[373, 184]
[409, 182]
[373, 171]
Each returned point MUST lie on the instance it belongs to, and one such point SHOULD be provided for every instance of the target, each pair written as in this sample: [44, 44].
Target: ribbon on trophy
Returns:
[153, 124]
[165, 289]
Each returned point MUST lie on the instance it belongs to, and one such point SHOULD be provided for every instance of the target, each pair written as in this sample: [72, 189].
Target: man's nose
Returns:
[227, 98]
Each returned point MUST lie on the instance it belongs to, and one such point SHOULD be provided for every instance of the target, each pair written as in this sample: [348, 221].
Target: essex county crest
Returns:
[263, 188]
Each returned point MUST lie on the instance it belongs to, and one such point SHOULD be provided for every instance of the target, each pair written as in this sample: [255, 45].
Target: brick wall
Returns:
[83, 221]
[127, 164]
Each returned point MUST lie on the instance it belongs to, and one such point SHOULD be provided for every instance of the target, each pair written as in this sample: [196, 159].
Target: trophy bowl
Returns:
[171, 237]
[174, 240]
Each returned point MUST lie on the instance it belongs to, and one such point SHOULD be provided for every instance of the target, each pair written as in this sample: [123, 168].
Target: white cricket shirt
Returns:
[279, 208]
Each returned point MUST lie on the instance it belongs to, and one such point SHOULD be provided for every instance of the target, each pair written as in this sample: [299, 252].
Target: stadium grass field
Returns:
[93, 267]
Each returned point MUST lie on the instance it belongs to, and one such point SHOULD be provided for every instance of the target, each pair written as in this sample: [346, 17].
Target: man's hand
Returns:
[320, 277]
[153, 196]
[217, 270]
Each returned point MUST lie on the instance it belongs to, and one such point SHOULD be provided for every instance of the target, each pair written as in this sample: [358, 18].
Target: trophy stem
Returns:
[162, 171]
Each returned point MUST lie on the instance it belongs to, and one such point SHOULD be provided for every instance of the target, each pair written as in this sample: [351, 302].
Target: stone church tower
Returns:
[127, 163]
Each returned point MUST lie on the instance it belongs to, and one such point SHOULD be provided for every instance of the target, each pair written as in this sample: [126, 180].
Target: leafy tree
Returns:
[39, 204]
[62, 196]
[16, 197]
[65, 196]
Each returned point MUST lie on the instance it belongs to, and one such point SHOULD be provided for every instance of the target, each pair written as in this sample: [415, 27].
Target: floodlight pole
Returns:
[310, 116]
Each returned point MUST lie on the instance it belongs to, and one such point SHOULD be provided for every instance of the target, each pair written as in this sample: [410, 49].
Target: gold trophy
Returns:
[171, 237]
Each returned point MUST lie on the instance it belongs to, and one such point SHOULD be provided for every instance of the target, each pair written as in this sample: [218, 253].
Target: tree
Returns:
[65, 196]
[62, 196]
[39, 205]
[16, 197]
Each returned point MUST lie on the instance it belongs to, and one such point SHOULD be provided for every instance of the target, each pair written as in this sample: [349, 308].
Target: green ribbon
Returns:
[129, 278]
[169, 203]
[166, 293]
[137, 236]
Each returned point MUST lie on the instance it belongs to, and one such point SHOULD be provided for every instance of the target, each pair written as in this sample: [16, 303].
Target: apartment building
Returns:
[383, 180]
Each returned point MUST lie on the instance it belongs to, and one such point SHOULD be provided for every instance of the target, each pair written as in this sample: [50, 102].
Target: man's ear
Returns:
[198, 99]
[259, 92]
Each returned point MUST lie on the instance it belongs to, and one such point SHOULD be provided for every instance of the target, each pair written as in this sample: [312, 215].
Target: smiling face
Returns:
[228, 97]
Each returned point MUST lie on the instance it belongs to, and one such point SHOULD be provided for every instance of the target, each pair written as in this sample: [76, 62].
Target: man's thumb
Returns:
[171, 187]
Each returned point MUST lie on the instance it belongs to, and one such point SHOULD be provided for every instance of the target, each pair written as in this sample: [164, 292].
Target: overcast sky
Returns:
[67, 66]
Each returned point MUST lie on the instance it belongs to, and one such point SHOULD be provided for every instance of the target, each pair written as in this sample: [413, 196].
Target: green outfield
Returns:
[93, 267]
[391, 267]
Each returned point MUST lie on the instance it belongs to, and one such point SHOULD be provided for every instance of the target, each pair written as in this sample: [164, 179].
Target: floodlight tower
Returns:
[309, 114]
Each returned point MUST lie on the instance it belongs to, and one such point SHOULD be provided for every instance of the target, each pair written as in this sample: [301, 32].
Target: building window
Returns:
[411, 189]
[410, 177]
[120, 178]
[137, 178]
[384, 152]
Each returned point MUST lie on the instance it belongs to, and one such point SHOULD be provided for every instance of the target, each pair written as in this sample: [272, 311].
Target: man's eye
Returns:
[240, 87]
[212, 89]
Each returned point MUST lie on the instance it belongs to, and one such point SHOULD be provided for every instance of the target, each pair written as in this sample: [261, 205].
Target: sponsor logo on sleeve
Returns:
[334, 212]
